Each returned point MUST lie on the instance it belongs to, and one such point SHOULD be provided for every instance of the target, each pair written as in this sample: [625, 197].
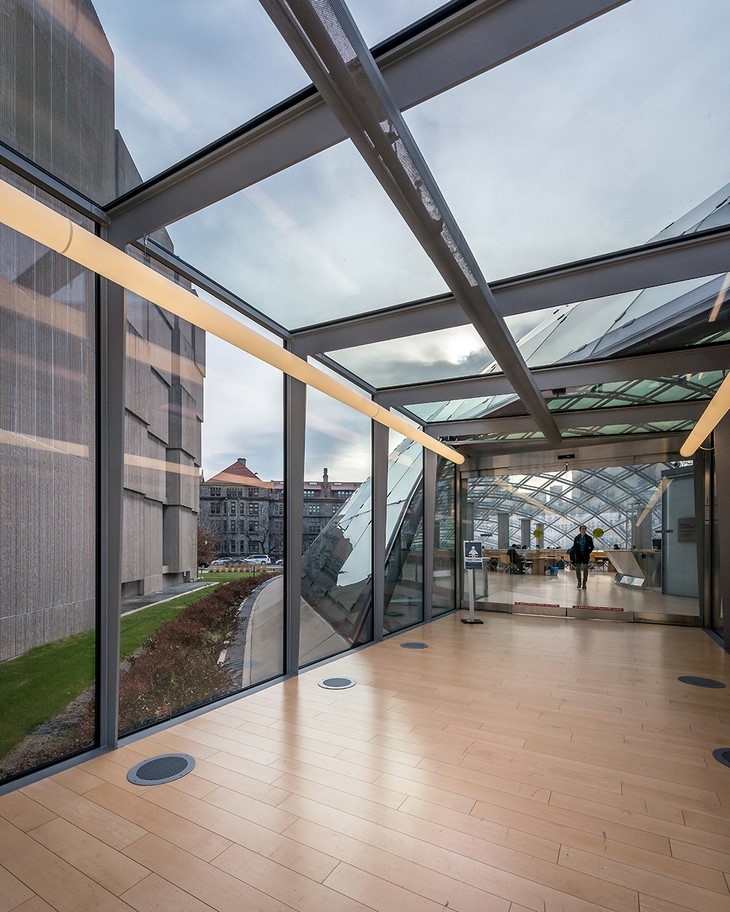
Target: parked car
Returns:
[221, 561]
[257, 559]
[280, 562]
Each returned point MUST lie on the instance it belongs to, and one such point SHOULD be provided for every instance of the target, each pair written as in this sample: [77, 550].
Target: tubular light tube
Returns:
[716, 410]
[37, 221]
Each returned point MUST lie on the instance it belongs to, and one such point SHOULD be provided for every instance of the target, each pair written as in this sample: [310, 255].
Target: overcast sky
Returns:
[593, 142]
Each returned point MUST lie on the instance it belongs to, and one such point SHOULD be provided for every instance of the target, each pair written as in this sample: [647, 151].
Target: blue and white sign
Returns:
[472, 555]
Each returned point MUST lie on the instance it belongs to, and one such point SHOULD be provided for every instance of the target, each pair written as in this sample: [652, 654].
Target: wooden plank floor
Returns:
[526, 764]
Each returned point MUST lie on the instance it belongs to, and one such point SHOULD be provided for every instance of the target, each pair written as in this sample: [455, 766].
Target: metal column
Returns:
[295, 416]
[429, 527]
[379, 493]
[111, 337]
[721, 452]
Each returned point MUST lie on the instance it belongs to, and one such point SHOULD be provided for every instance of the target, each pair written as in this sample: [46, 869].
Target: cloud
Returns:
[144, 92]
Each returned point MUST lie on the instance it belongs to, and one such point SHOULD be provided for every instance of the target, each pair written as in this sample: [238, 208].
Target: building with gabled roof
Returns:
[246, 514]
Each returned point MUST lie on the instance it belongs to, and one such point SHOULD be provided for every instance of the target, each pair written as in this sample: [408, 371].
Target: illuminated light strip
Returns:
[161, 465]
[716, 410]
[37, 221]
[32, 442]
[720, 300]
[660, 489]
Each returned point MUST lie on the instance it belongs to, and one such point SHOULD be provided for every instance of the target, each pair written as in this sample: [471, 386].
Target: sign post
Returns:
[472, 562]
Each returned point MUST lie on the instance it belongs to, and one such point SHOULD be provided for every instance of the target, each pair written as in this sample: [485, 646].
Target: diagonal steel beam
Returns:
[567, 376]
[329, 46]
[447, 48]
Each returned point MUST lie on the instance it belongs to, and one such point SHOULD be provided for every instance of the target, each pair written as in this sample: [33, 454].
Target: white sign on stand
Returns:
[473, 556]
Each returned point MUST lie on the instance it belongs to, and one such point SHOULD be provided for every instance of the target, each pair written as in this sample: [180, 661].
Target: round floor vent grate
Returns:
[337, 683]
[157, 770]
[414, 645]
[722, 755]
[700, 682]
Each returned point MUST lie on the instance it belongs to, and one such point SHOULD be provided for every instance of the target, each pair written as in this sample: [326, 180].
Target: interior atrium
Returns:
[473, 258]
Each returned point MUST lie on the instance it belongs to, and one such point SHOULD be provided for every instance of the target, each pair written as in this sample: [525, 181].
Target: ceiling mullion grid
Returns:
[329, 46]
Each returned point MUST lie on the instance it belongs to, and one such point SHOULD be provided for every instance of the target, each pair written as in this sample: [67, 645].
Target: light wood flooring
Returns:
[524, 764]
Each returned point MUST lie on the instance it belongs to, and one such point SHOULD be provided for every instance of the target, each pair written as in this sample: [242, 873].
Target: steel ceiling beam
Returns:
[172, 261]
[685, 410]
[670, 261]
[329, 46]
[567, 376]
[514, 457]
[445, 49]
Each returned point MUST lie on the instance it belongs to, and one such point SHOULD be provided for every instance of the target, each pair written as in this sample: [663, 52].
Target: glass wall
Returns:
[444, 555]
[403, 602]
[202, 594]
[641, 520]
[48, 496]
[336, 609]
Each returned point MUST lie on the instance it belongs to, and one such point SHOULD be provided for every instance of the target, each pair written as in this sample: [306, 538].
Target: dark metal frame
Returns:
[446, 48]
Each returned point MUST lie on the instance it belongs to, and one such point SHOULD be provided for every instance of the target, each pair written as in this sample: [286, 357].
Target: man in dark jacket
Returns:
[515, 561]
[580, 555]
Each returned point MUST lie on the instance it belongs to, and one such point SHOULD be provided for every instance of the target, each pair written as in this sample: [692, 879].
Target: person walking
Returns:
[580, 555]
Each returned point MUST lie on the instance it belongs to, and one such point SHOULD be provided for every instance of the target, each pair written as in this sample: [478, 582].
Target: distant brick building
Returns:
[246, 514]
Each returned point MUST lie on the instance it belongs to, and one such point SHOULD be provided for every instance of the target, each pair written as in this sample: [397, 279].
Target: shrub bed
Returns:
[175, 670]
[178, 669]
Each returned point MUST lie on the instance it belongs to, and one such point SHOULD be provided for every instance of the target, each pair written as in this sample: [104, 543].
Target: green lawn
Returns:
[39, 684]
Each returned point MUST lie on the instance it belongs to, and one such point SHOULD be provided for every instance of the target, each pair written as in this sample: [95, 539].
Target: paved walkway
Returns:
[152, 598]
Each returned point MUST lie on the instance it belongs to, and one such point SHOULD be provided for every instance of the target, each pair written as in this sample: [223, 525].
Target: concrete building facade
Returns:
[57, 110]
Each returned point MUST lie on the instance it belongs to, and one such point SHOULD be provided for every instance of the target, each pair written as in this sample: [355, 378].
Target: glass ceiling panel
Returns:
[316, 242]
[187, 73]
[618, 394]
[605, 430]
[652, 427]
[639, 392]
[442, 355]
[592, 142]
[459, 409]
[381, 19]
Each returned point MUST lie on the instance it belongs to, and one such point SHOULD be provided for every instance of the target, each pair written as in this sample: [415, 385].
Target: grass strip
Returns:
[42, 682]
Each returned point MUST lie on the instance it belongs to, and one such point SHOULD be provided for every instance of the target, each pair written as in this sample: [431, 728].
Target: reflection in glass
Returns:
[336, 611]
[403, 601]
[337, 583]
[48, 485]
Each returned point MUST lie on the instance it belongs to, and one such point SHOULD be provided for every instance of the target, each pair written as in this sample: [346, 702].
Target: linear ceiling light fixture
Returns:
[37, 221]
[716, 410]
